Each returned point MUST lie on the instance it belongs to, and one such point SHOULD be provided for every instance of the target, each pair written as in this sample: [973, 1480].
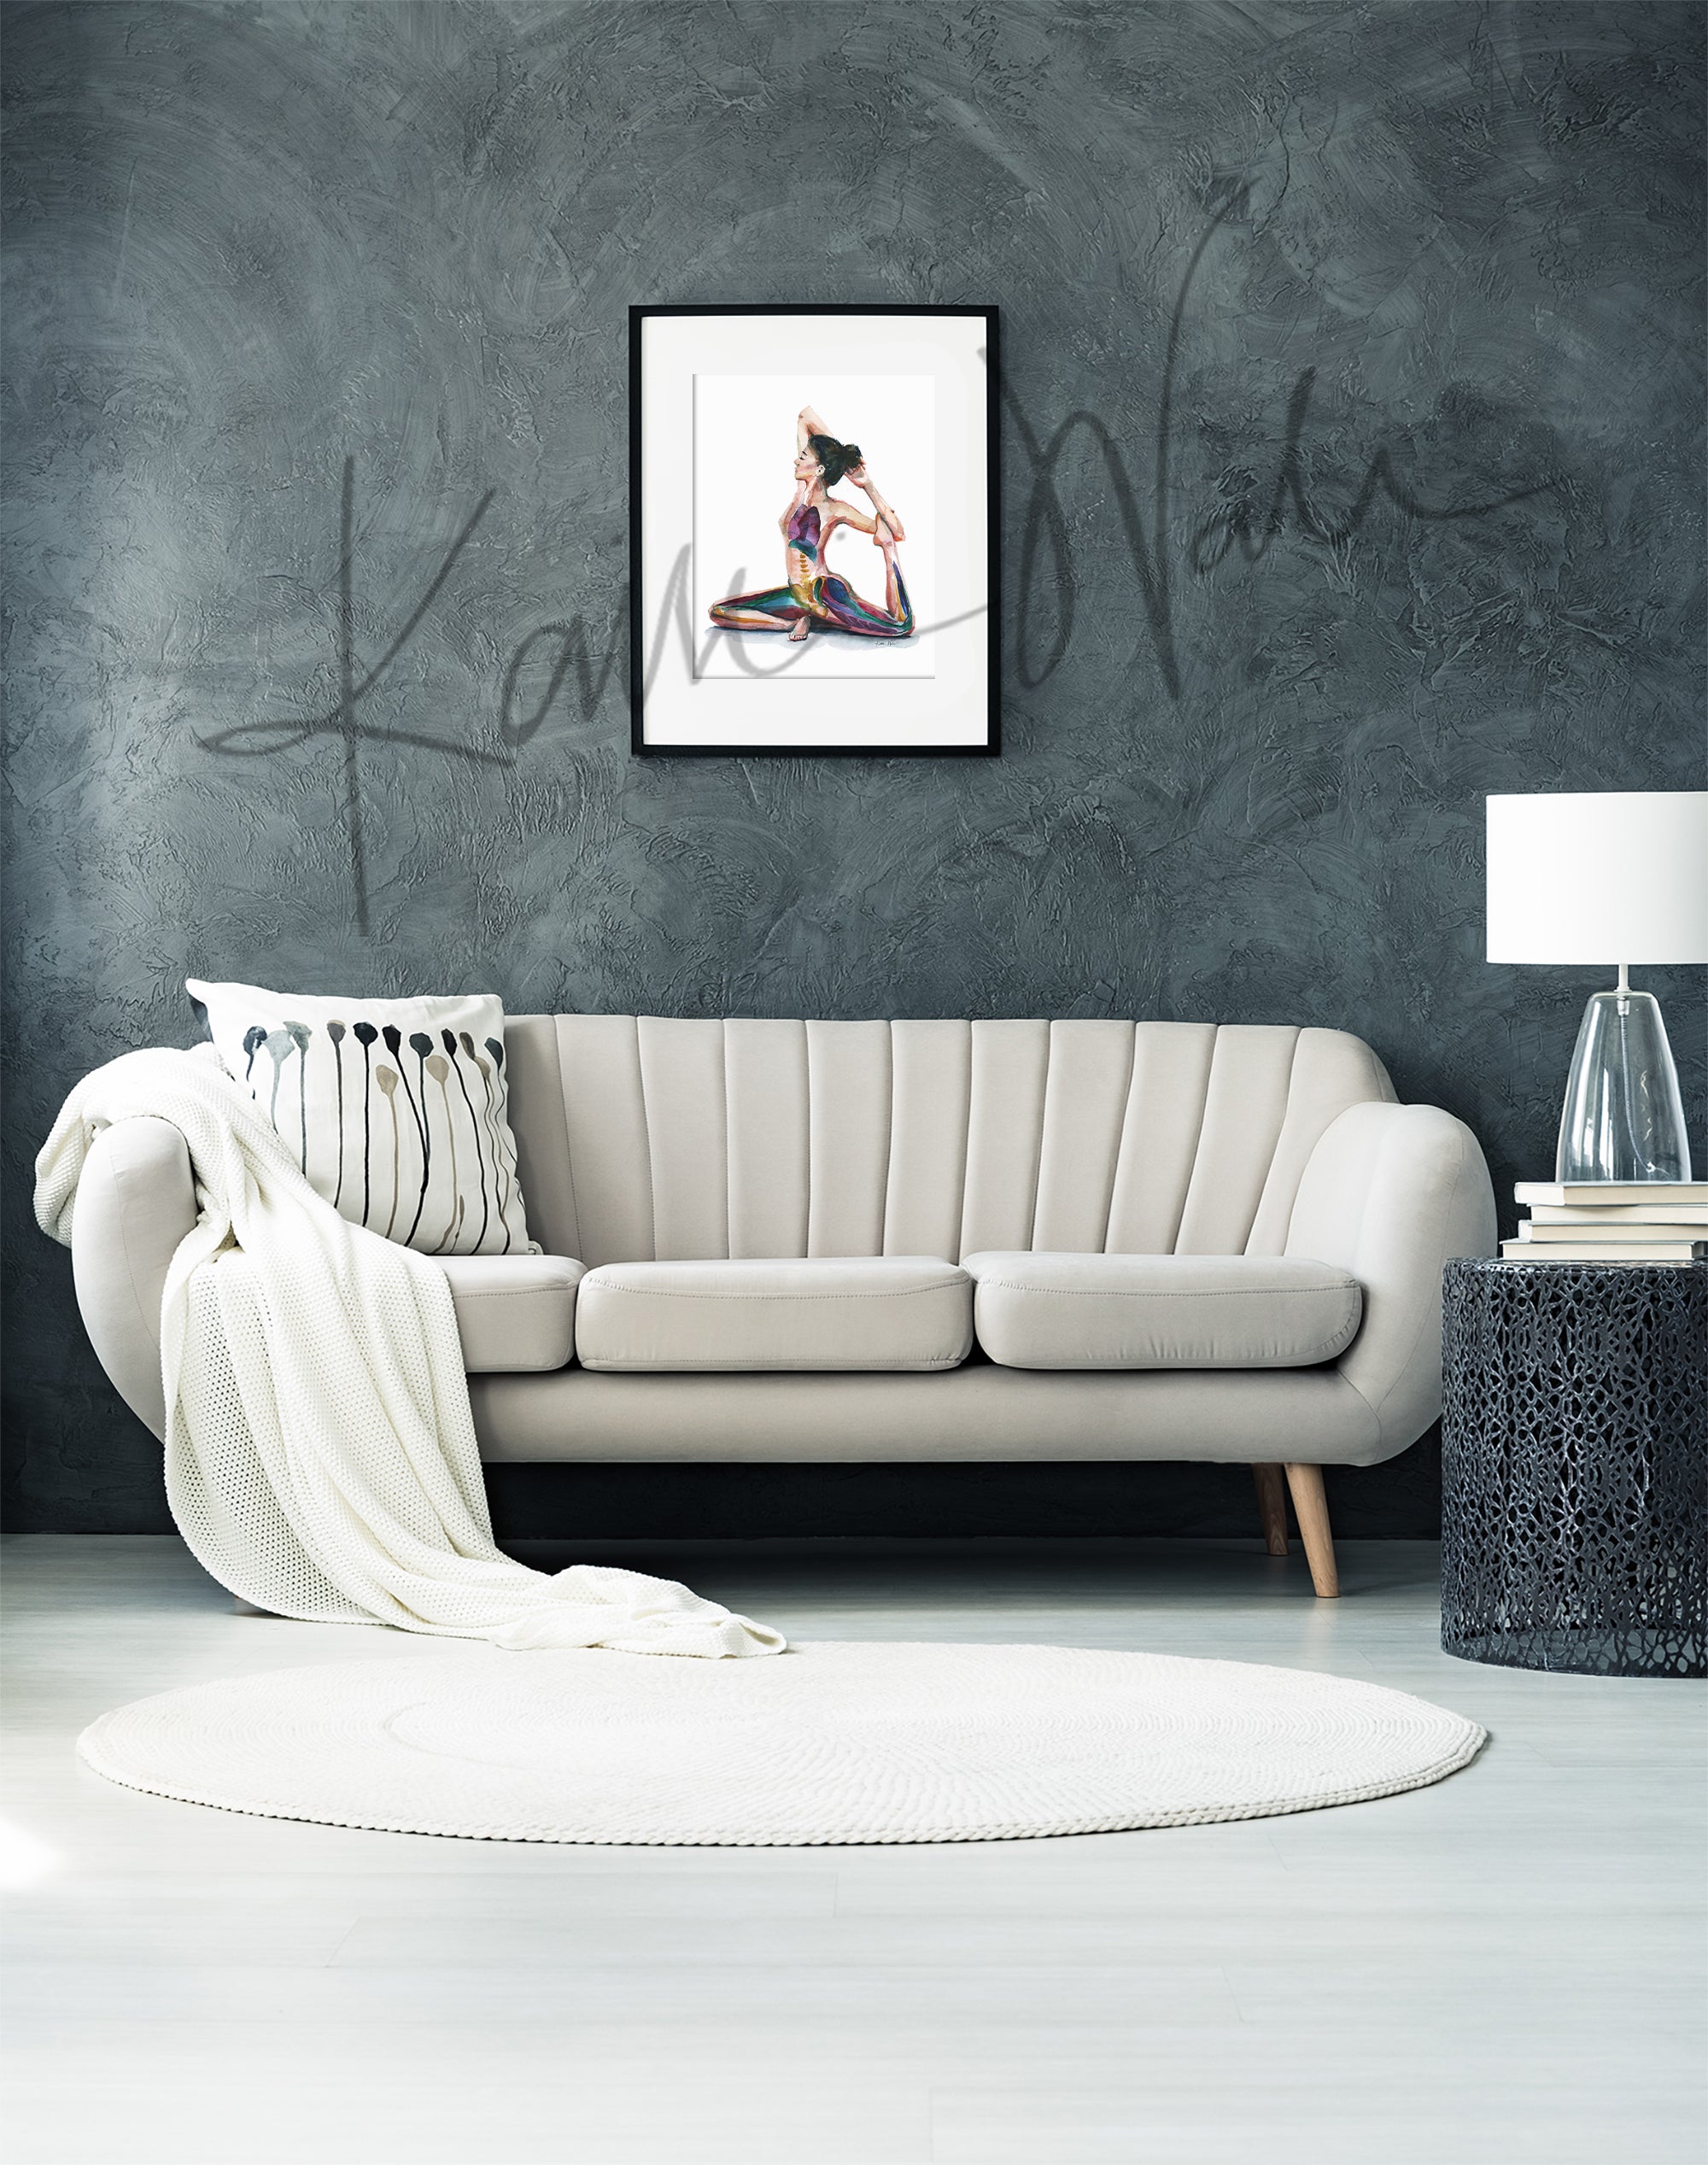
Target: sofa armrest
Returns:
[1389, 1193]
[136, 1201]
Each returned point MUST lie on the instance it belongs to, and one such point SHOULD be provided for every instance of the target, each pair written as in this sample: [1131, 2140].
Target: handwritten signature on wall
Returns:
[1048, 583]
[262, 739]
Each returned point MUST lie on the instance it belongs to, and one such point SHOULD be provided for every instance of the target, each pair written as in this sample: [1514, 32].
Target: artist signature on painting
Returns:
[1048, 581]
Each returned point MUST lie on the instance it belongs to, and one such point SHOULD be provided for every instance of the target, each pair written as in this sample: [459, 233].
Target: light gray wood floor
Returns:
[1506, 1966]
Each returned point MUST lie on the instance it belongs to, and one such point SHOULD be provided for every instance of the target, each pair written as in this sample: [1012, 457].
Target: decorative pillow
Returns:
[396, 1109]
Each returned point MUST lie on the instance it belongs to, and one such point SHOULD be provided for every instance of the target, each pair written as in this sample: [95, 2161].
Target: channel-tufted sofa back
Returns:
[644, 1139]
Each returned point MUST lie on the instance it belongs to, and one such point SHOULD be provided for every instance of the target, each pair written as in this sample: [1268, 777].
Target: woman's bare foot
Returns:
[802, 624]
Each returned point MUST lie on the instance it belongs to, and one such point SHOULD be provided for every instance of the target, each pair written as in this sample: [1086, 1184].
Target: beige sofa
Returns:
[789, 1240]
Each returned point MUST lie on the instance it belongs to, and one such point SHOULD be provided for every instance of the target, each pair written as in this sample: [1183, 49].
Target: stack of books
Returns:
[1654, 1221]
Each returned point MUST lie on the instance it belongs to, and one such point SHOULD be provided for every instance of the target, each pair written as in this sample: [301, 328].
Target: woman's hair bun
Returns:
[835, 458]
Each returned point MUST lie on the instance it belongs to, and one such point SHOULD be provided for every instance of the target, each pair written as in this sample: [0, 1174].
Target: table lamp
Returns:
[1615, 878]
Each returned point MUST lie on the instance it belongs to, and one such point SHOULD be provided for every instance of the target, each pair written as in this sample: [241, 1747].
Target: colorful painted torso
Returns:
[802, 532]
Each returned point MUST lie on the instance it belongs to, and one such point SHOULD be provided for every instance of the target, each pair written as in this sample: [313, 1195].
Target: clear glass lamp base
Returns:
[1623, 1117]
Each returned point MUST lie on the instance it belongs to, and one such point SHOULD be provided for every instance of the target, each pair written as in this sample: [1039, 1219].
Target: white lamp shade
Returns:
[1605, 877]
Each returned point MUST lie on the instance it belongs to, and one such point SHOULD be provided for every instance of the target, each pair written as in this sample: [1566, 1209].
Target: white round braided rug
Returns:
[831, 1742]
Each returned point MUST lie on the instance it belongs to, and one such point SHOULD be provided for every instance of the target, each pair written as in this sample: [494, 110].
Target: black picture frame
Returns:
[639, 644]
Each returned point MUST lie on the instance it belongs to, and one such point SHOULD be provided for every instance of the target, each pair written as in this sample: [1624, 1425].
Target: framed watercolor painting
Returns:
[813, 532]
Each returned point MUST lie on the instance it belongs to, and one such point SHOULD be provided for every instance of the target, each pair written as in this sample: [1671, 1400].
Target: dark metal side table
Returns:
[1575, 1466]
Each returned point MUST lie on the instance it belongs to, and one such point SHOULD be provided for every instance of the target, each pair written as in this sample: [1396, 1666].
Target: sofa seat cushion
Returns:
[1067, 1311]
[513, 1312]
[859, 1311]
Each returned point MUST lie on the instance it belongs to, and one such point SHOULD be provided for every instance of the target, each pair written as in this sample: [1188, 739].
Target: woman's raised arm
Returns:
[808, 425]
[862, 479]
[837, 513]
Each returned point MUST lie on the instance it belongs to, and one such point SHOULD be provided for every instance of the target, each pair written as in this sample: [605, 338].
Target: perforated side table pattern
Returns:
[1575, 1466]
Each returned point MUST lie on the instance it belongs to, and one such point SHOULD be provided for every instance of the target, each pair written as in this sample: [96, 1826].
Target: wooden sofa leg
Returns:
[1272, 1504]
[1310, 1507]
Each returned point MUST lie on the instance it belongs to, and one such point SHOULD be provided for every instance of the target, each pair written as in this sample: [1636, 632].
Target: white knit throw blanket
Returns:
[320, 1454]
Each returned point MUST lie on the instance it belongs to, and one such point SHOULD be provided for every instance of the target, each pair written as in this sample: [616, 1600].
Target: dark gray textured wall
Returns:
[1451, 253]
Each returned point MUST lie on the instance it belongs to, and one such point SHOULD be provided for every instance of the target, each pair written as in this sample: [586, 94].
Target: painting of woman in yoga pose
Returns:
[813, 597]
[780, 605]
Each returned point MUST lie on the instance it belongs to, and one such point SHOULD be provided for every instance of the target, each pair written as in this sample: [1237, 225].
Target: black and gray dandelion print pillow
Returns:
[395, 1109]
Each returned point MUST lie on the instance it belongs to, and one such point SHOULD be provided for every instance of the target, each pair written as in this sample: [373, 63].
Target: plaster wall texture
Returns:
[1353, 460]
